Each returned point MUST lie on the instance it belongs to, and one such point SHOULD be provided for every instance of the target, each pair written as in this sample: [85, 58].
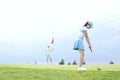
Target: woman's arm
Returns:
[87, 39]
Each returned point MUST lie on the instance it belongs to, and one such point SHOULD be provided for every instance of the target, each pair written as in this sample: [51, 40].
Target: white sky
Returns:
[40, 17]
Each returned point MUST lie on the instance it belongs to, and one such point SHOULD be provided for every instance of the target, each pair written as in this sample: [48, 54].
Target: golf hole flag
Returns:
[52, 42]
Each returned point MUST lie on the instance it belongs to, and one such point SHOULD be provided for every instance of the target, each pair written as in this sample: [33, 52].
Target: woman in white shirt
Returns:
[78, 45]
[48, 52]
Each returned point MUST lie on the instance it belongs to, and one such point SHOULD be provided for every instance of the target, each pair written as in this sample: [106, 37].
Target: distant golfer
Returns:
[78, 45]
[48, 52]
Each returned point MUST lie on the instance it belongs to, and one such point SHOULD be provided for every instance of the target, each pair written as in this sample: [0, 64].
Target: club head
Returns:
[98, 68]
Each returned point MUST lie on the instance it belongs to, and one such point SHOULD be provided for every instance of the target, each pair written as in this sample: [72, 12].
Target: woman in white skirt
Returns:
[78, 45]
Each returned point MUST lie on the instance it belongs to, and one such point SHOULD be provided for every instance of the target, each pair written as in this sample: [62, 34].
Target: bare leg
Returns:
[81, 52]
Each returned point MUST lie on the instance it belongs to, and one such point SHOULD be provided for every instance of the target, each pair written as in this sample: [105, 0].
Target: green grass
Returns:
[58, 72]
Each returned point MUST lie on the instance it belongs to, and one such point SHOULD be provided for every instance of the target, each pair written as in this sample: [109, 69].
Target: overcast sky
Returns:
[27, 26]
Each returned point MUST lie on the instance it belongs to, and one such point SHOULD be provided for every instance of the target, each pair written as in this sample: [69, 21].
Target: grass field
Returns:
[58, 72]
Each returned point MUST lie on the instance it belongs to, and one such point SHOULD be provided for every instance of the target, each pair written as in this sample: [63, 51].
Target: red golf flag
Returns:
[52, 42]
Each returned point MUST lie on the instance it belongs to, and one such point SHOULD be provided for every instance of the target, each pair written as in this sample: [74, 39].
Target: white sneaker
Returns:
[81, 69]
